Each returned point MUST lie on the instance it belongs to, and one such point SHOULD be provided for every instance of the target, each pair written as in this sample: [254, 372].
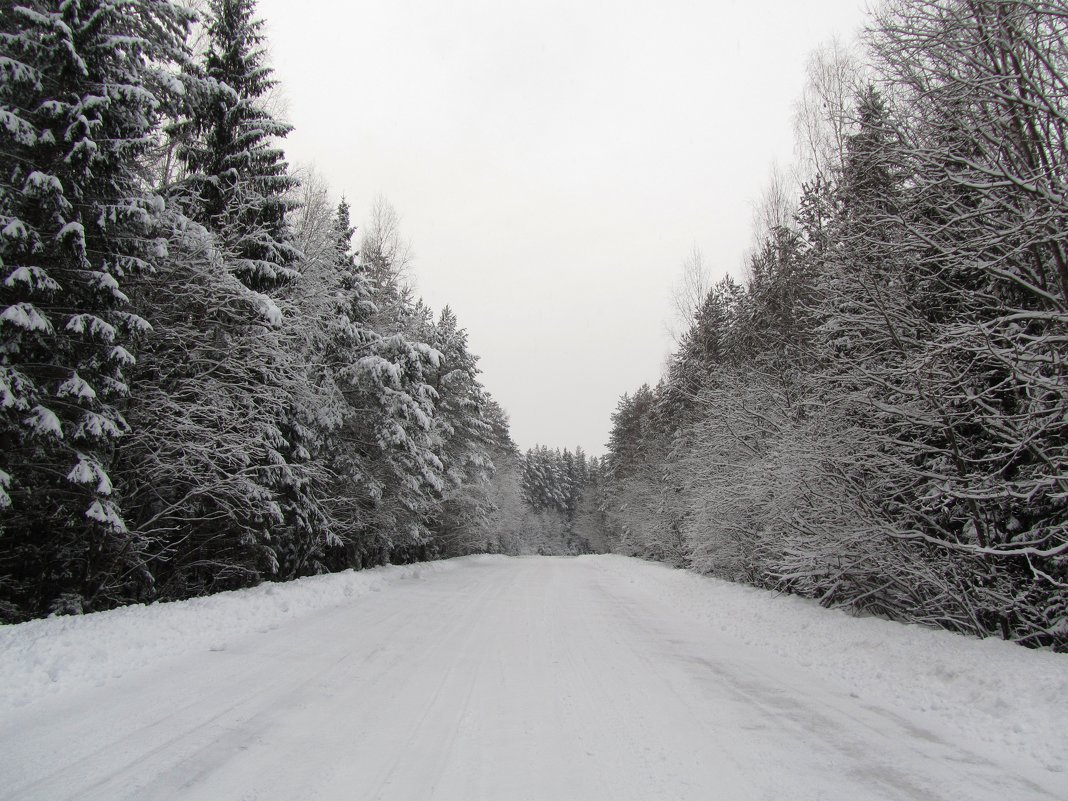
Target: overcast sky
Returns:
[553, 163]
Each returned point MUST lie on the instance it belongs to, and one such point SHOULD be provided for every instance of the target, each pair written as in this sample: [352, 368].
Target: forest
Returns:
[877, 416]
[209, 380]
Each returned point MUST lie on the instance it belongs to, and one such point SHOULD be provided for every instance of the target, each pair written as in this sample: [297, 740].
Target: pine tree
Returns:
[82, 87]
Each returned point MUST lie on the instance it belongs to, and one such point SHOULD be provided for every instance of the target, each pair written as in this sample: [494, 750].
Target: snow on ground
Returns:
[538, 678]
[1012, 699]
[47, 657]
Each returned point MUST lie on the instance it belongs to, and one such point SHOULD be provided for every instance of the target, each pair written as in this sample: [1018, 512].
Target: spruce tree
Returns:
[383, 444]
[239, 183]
[239, 188]
[82, 86]
[465, 439]
[193, 468]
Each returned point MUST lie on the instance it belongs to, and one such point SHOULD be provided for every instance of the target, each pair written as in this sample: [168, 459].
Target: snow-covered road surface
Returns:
[500, 679]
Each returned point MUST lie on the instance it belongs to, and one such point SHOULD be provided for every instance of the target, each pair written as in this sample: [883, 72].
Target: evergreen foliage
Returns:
[877, 417]
[238, 183]
[560, 493]
[83, 87]
[294, 408]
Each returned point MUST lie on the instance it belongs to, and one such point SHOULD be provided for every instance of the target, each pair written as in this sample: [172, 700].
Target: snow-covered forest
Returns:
[207, 379]
[212, 374]
[877, 416]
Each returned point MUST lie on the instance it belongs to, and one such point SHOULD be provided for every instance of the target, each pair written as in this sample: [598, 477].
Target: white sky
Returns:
[553, 163]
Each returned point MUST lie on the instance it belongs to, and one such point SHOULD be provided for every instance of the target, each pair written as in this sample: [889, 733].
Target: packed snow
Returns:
[63, 654]
[521, 678]
[1012, 699]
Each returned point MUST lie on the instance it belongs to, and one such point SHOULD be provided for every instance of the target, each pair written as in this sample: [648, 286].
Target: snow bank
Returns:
[989, 692]
[42, 658]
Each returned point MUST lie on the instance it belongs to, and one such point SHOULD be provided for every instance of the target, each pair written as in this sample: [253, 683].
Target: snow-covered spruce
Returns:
[83, 86]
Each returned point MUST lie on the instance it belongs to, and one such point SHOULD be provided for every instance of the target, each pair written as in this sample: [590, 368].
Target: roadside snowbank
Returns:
[1001, 695]
[1010, 701]
[42, 658]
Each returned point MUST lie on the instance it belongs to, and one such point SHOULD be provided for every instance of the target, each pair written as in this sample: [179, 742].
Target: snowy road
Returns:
[507, 679]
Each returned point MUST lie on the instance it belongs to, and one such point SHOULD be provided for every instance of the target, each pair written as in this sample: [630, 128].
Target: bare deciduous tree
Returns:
[824, 113]
[384, 250]
[688, 294]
